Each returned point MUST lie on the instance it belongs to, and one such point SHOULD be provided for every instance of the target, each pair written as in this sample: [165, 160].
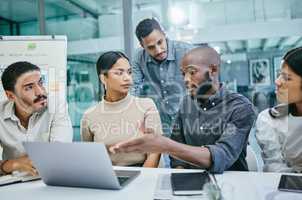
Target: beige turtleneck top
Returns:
[112, 122]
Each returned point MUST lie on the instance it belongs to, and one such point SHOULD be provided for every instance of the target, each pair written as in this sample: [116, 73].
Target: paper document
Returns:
[17, 177]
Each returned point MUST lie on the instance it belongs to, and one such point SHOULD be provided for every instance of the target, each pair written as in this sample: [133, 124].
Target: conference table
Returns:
[234, 185]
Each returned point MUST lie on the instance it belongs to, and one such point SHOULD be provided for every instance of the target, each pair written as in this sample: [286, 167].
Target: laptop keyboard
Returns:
[122, 179]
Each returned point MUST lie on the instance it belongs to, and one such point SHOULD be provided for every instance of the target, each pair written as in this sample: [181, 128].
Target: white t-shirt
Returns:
[293, 143]
[280, 140]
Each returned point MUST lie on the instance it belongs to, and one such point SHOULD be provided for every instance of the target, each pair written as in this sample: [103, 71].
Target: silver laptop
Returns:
[80, 164]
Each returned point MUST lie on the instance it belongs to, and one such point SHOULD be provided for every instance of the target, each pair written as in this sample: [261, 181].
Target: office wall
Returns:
[4, 29]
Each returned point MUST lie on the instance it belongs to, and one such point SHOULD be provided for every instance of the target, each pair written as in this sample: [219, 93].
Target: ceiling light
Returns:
[177, 16]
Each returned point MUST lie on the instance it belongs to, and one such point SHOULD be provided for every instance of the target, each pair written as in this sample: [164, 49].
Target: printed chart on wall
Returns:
[47, 52]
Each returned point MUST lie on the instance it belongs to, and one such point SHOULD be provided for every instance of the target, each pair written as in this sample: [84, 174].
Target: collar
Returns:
[9, 112]
[214, 99]
[171, 52]
[121, 101]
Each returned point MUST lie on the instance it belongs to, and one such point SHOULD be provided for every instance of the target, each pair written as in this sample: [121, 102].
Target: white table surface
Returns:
[237, 185]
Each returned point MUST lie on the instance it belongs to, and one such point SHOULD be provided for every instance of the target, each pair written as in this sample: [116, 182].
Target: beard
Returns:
[204, 88]
[30, 106]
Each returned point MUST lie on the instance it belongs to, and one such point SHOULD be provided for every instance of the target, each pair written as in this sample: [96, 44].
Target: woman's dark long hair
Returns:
[293, 58]
[107, 60]
[105, 63]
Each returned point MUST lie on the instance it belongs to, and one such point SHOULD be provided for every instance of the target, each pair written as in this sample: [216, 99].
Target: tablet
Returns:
[290, 183]
[189, 183]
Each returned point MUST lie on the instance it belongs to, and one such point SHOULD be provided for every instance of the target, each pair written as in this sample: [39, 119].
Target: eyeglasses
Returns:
[120, 72]
[283, 77]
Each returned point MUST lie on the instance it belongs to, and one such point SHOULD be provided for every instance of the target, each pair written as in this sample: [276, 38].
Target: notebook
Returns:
[189, 183]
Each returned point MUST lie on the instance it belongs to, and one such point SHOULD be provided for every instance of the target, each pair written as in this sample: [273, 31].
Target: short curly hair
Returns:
[145, 27]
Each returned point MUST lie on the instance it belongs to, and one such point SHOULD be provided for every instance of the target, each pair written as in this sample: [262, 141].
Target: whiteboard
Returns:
[47, 52]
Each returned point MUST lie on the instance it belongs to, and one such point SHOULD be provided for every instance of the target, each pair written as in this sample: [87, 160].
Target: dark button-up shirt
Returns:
[163, 82]
[222, 124]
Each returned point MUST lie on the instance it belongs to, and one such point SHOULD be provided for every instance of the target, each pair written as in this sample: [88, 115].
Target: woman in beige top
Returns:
[120, 116]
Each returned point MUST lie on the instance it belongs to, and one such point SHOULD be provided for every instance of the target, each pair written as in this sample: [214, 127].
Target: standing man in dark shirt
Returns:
[156, 70]
[213, 124]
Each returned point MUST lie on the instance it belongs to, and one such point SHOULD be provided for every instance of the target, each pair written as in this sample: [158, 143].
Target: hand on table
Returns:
[21, 164]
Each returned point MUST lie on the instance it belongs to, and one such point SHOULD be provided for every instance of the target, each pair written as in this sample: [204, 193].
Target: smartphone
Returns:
[290, 183]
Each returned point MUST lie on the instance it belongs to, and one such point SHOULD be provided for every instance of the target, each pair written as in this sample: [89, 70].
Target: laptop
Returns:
[82, 164]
